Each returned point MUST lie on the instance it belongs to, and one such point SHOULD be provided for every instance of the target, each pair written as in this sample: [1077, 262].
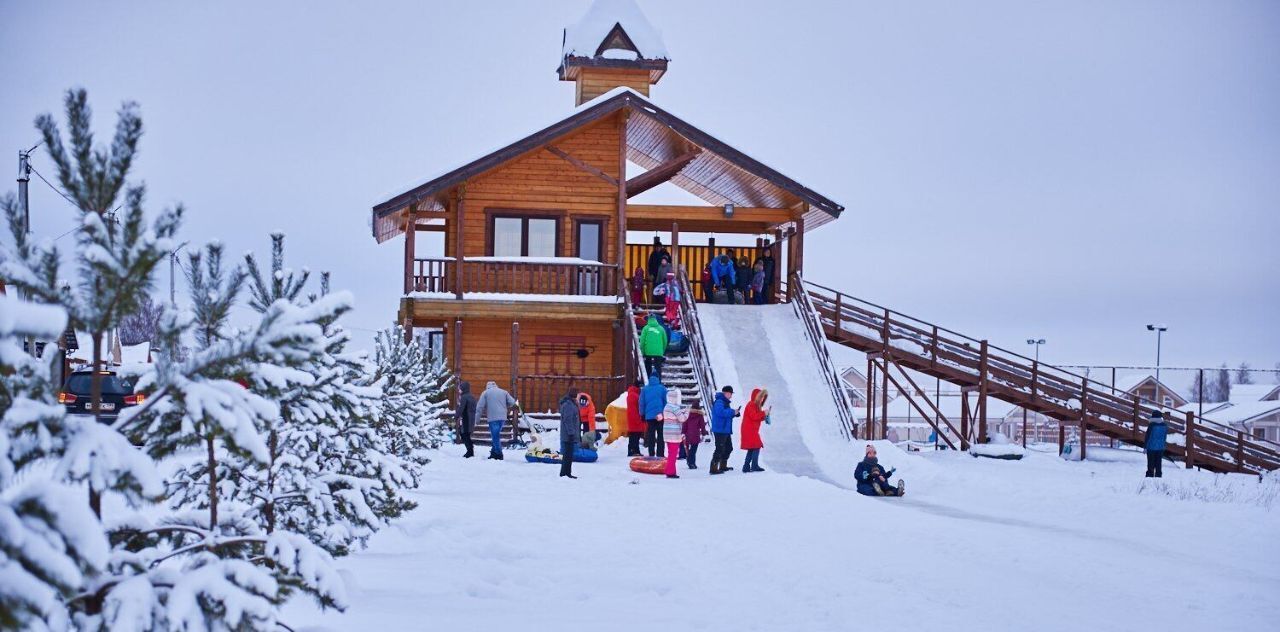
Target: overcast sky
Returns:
[1067, 170]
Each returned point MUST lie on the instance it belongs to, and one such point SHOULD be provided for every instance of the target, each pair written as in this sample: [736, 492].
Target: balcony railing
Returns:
[560, 276]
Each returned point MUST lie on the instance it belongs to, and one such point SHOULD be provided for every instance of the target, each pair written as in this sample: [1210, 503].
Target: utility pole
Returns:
[173, 292]
[24, 178]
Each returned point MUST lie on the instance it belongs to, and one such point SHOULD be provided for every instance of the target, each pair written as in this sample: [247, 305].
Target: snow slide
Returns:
[765, 345]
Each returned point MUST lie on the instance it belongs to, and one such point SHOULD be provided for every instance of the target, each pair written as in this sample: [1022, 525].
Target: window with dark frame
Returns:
[517, 235]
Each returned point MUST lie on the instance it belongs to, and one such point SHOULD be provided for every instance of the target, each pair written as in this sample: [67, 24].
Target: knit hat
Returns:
[1155, 414]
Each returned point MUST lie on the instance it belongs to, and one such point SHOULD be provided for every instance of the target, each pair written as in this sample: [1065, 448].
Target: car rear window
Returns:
[82, 383]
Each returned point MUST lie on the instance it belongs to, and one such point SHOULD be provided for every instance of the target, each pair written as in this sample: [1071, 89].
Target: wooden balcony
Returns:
[555, 276]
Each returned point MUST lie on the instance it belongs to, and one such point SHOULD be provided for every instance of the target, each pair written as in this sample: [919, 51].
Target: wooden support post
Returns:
[799, 244]
[933, 349]
[1240, 451]
[675, 251]
[871, 397]
[1035, 379]
[1084, 413]
[459, 240]
[835, 319]
[1062, 436]
[1137, 419]
[621, 220]
[1191, 441]
[457, 349]
[515, 359]
[884, 399]
[964, 419]
[410, 238]
[983, 365]
[1024, 426]
[775, 249]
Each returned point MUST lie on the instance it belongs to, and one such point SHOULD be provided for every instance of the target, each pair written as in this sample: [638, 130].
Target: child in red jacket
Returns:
[754, 414]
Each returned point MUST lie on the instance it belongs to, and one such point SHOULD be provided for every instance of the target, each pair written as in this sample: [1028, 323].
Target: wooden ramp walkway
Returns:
[897, 343]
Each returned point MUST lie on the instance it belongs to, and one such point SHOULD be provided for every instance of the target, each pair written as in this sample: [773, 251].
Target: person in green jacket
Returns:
[653, 346]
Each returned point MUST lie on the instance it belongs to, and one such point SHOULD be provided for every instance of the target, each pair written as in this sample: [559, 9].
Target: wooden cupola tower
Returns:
[613, 45]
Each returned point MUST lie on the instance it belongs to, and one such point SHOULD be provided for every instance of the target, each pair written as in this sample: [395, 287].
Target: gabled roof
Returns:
[1132, 382]
[1241, 393]
[603, 22]
[719, 175]
[1244, 412]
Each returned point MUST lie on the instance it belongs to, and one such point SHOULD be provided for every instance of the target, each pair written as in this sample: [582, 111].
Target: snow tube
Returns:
[580, 455]
[649, 465]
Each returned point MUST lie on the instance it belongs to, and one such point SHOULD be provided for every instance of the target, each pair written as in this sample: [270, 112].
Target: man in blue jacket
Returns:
[653, 398]
[1154, 442]
[722, 414]
[723, 274]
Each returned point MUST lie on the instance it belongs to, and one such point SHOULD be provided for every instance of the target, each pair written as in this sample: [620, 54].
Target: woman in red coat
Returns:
[635, 422]
[754, 414]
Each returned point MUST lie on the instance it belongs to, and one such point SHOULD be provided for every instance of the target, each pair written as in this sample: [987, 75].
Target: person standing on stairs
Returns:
[695, 428]
[494, 406]
[674, 414]
[655, 260]
[570, 426]
[637, 286]
[722, 414]
[1154, 443]
[664, 268]
[653, 399]
[707, 285]
[755, 414]
[466, 417]
[653, 346]
[635, 421]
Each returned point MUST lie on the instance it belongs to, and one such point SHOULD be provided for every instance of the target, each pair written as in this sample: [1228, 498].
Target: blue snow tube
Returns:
[580, 455]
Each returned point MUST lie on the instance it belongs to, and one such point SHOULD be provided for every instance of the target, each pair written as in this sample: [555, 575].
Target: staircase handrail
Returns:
[813, 331]
[697, 346]
[1042, 379]
[633, 340]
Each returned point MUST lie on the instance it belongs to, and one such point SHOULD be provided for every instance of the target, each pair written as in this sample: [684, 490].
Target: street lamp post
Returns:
[1159, 329]
[1037, 342]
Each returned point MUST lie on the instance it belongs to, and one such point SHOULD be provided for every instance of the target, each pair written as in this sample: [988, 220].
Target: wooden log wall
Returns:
[543, 182]
[593, 82]
[486, 352]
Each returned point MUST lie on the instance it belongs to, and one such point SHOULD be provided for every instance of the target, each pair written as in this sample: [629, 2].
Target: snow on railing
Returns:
[808, 315]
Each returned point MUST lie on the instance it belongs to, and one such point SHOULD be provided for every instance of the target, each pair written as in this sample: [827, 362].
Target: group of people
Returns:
[657, 418]
[726, 278]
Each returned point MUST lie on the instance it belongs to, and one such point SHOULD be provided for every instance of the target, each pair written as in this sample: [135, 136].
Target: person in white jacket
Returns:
[673, 418]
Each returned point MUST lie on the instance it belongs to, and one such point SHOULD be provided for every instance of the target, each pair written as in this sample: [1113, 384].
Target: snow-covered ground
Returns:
[1040, 543]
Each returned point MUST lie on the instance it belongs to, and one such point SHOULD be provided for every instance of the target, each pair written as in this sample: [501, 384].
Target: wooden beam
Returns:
[660, 173]
[515, 356]
[573, 160]
[423, 310]
[759, 214]
[410, 241]
[621, 246]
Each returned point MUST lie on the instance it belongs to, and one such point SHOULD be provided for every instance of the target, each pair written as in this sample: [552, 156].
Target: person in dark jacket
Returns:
[653, 398]
[570, 427]
[742, 279]
[695, 428]
[770, 268]
[1154, 443]
[466, 417]
[722, 415]
[872, 479]
[723, 275]
[655, 260]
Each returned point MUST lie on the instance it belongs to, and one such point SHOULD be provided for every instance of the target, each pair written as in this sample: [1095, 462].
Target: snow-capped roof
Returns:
[1244, 411]
[583, 38]
[1241, 393]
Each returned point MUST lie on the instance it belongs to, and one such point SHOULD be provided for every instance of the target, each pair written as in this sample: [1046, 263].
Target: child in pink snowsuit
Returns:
[673, 418]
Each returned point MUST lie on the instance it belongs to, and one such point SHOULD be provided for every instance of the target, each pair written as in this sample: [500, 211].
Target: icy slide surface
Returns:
[765, 346]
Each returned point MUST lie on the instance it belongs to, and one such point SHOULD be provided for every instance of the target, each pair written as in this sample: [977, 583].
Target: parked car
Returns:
[117, 393]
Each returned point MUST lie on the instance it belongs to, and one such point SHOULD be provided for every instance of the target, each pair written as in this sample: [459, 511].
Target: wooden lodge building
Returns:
[531, 289]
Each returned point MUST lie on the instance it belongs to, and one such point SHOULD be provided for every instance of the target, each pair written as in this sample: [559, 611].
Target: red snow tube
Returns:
[649, 465]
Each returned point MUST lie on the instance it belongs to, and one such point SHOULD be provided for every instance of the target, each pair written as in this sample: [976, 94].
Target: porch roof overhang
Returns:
[718, 174]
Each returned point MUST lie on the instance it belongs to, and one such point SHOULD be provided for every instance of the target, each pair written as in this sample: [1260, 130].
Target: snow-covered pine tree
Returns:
[116, 251]
[414, 397]
[50, 543]
[210, 565]
[1244, 374]
[328, 475]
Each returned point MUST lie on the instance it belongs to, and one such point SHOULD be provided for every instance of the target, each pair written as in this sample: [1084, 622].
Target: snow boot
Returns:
[758, 469]
[673, 476]
[878, 488]
[902, 486]
[715, 468]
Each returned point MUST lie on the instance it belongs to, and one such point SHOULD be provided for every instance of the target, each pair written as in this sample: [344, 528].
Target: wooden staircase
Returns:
[906, 344]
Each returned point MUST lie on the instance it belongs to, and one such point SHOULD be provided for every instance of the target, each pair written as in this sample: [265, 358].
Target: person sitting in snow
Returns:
[873, 480]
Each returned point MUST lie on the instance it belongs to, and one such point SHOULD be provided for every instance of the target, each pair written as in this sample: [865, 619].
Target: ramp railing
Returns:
[698, 355]
[808, 315]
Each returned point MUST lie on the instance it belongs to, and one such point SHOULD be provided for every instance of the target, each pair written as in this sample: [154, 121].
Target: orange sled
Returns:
[649, 465]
